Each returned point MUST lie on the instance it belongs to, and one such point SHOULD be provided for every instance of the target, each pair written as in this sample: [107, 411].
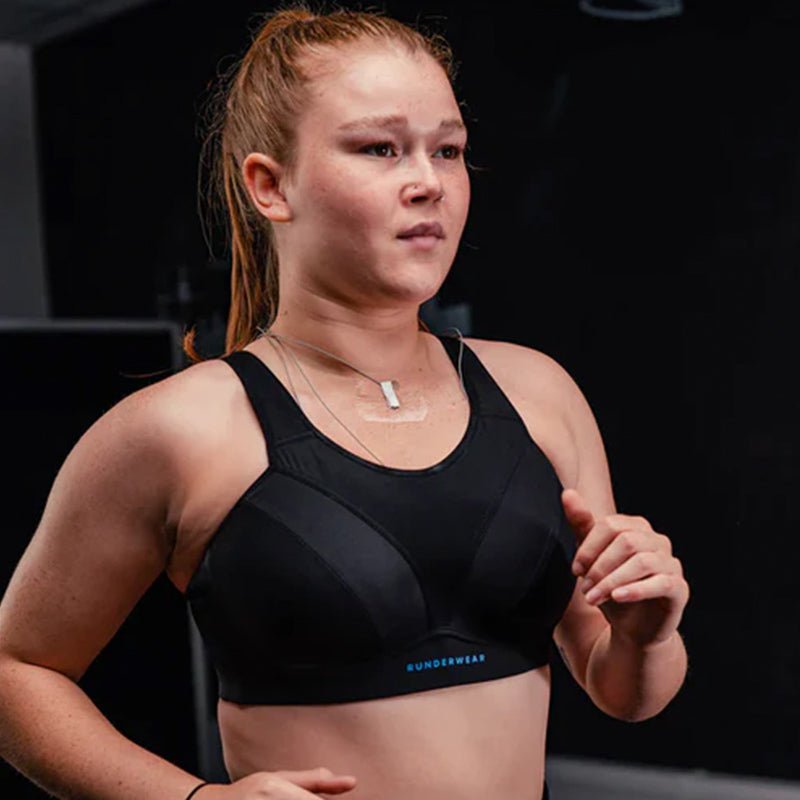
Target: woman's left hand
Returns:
[636, 581]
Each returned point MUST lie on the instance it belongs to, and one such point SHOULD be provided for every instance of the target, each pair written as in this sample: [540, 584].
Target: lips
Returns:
[423, 229]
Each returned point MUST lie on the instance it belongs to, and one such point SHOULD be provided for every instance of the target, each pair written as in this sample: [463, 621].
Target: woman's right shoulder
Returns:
[183, 410]
[191, 406]
[174, 422]
[187, 419]
[211, 379]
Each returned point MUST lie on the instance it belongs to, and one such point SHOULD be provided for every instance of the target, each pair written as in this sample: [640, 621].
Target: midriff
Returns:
[467, 742]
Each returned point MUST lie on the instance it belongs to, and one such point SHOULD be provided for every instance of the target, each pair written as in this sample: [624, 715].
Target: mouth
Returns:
[422, 242]
[423, 230]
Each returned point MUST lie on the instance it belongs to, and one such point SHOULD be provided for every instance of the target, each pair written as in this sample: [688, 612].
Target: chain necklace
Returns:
[386, 386]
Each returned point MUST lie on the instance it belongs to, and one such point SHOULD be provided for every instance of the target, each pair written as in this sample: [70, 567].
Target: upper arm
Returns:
[581, 624]
[100, 543]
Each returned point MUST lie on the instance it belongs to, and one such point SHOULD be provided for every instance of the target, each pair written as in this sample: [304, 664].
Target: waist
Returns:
[458, 742]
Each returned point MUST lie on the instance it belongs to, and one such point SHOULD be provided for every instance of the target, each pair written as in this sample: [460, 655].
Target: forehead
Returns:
[362, 81]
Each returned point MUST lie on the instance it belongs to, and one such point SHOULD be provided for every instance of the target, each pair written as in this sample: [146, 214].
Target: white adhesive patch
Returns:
[372, 407]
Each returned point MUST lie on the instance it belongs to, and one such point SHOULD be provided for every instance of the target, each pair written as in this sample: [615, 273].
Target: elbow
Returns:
[626, 713]
[618, 713]
[637, 716]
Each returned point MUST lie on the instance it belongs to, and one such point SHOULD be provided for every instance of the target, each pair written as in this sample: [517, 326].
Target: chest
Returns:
[425, 431]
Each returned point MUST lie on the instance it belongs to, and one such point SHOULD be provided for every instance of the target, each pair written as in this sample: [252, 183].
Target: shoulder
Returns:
[121, 471]
[188, 416]
[533, 373]
[529, 370]
[154, 413]
[543, 393]
[178, 404]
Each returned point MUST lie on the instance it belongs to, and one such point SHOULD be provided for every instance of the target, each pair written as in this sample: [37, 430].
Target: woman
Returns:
[369, 521]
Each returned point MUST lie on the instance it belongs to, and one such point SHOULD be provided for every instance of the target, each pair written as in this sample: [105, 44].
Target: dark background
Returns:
[634, 215]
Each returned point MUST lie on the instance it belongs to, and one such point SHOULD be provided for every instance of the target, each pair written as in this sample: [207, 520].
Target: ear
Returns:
[262, 176]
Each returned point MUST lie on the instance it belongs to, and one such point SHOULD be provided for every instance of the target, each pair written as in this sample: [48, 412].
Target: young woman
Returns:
[379, 529]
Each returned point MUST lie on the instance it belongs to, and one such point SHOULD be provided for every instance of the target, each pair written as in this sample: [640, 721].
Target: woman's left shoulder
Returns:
[525, 367]
[530, 373]
[543, 394]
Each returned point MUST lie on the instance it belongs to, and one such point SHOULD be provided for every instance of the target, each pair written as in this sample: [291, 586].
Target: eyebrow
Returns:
[396, 121]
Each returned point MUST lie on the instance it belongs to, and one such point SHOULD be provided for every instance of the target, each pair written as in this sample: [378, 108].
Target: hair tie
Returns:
[199, 786]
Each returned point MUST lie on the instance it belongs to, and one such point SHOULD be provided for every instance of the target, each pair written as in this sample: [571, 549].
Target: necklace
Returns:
[386, 385]
[389, 394]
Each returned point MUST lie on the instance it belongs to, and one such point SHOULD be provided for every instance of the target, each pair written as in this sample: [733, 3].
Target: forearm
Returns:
[632, 683]
[54, 735]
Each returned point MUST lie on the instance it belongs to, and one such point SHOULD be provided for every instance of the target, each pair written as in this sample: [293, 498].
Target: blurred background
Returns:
[634, 215]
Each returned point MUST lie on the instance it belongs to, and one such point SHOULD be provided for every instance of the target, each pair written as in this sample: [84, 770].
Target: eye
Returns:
[376, 146]
[456, 151]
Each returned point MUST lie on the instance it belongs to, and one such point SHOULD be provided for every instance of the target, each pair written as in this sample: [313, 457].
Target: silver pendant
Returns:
[388, 393]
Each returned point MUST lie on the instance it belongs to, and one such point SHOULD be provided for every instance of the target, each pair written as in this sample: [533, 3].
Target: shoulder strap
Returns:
[280, 417]
[490, 398]
[282, 420]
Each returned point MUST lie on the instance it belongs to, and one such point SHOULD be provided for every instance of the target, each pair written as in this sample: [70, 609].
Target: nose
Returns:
[424, 182]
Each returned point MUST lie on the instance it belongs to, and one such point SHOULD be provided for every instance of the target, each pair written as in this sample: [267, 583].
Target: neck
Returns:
[379, 351]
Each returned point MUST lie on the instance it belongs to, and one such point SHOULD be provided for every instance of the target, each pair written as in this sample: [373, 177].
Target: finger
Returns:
[288, 790]
[605, 530]
[625, 521]
[660, 585]
[641, 565]
[622, 547]
[598, 539]
[577, 512]
[315, 780]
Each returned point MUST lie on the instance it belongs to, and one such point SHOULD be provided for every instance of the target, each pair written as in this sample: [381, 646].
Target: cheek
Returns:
[464, 188]
[344, 201]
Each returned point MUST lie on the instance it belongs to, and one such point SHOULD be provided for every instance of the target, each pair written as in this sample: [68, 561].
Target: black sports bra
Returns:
[334, 579]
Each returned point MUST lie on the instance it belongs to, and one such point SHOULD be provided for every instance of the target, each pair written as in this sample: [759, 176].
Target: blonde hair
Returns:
[256, 108]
